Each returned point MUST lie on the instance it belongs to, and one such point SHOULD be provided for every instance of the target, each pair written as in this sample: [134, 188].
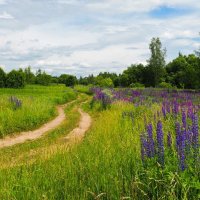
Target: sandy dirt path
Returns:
[77, 134]
[35, 134]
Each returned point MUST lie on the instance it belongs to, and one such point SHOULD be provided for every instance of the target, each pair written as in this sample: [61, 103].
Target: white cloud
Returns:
[87, 36]
[6, 15]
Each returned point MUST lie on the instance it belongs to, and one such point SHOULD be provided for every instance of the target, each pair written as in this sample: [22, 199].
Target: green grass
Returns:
[106, 165]
[38, 106]
[83, 89]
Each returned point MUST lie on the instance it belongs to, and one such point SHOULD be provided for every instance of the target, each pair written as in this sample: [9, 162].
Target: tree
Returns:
[135, 74]
[104, 82]
[68, 80]
[29, 76]
[156, 63]
[63, 78]
[2, 78]
[42, 78]
[184, 72]
[15, 79]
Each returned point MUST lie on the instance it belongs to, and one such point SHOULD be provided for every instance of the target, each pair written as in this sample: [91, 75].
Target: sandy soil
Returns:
[77, 134]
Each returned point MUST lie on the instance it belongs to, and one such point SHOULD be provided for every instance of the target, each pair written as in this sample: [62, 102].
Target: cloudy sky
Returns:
[81, 37]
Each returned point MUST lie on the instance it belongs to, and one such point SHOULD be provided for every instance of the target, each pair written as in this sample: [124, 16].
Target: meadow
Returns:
[143, 144]
[28, 108]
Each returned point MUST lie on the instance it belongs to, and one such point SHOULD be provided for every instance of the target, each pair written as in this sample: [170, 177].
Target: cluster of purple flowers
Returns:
[151, 148]
[101, 96]
[181, 106]
[172, 100]
[16, 103]
[186, 145]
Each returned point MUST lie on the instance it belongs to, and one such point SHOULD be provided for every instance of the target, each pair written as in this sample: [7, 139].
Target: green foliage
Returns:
[133, 74]
[37, 106]
[67, 79]
[84, 89]
[15, 79]
[156, 63]
[2, 78]
[42, 78]
[165, 85]
[29, 76]
[136, 85]
[184, 71]
[104, 82]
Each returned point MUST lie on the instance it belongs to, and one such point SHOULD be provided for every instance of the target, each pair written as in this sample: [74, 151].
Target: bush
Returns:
[15, 79]
[70, 80]
[104, 82]
[136, 85]
[165, 85]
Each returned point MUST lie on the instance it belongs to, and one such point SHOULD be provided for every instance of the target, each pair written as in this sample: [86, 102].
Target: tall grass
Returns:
[38, 106]
[107, 165]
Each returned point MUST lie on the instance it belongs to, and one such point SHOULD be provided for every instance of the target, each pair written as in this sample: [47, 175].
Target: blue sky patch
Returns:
[165, 11]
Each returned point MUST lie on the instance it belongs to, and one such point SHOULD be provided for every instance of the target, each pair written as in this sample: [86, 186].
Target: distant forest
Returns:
[182, 72]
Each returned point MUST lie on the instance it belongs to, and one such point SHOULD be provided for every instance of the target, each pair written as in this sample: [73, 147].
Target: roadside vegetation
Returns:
[27, 108]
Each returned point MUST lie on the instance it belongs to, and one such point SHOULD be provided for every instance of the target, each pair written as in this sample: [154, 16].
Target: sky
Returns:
[83, 37]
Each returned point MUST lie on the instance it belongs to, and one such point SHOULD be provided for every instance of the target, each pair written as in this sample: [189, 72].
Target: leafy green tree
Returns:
[70, 80]
[134, 74]
[184, 72]
[63, 78]
[42, 78]
[156, 63]
[124, 80]
[29, 76]
[15, 79]
[2, 78]
[104, 82]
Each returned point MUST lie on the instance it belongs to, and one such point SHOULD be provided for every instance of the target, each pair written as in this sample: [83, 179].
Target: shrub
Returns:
[165, 85]
[15, 79]
[136, 85]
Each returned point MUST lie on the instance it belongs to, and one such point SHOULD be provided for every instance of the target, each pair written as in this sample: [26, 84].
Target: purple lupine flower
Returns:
[143, 147]
[150, 140]
[164, 110]
[160, 143]
[181, 151]
[175, 107]
[178, 135]
[169, 140]
[195, 137]
[168, 107]
[184, 119]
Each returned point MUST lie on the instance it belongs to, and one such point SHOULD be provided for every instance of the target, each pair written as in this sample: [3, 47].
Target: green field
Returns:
[38, 106]
[107, 164]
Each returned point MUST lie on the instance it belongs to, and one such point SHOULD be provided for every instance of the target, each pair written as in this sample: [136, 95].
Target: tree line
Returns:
[19, 78]
[182, 72]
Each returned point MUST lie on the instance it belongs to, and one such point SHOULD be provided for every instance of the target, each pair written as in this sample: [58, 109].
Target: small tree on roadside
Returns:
[2, 78]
